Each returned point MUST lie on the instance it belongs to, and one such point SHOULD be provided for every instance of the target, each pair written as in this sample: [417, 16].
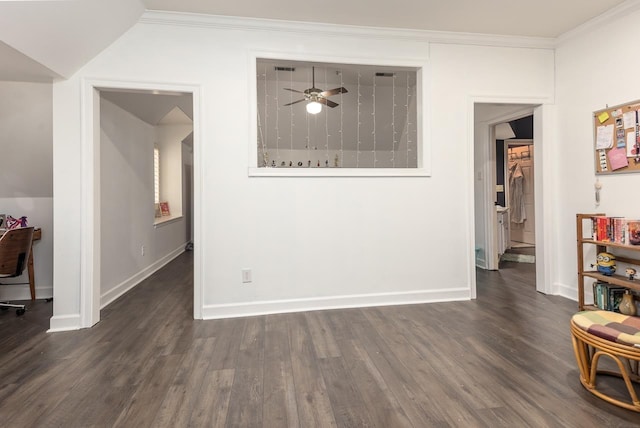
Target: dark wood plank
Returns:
[279, 402]
[504, 359]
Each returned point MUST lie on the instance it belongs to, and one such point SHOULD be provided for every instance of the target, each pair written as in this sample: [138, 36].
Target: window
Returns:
[362, 116]
[156, 176]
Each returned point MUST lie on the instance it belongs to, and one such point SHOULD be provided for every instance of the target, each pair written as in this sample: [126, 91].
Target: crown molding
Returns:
[626, 8]
[314, 28]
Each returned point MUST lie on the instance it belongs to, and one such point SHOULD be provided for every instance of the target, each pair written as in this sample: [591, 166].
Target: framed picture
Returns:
[164, 208]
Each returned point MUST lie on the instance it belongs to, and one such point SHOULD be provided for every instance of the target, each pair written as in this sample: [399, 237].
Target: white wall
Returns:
[585, 85]
[127, 208]
[311, 242]
[26, 174]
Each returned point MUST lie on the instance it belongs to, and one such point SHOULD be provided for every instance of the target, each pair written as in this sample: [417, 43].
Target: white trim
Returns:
[90, 216]
[162, 221]
[338, 172]
[64, 323]
[623, 9]
[423, 117]
[334, 302]
[126, 285]
[336, 30]
[569, 292]
[544, 125]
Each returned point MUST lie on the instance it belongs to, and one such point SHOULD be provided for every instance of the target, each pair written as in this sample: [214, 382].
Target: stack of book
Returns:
[607, 296]
[619, 230]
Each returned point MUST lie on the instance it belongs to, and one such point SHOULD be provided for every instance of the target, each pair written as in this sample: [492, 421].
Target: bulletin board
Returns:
[616, 135]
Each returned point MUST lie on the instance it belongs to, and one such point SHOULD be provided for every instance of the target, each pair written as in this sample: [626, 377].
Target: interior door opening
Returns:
[145, 177]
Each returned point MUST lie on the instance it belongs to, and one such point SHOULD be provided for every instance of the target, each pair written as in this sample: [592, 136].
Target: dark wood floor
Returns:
[504, 359]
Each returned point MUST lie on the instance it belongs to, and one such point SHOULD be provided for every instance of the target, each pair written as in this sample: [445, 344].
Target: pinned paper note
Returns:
[603, 117]
[617, 158]
[629, 119]
[631, 141]
[604, 137]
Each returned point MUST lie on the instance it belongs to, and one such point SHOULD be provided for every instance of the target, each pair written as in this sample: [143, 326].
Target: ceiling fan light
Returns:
[314, 107]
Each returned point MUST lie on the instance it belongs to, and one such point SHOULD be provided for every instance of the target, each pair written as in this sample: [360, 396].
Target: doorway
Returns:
[92, 298]
[487, 115]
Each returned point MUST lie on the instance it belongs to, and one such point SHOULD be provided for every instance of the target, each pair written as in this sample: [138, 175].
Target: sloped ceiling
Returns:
[151, 108]
[58, 37]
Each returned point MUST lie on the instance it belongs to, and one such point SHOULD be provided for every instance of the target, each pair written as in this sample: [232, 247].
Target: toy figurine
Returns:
[631, 273]
[606, 263]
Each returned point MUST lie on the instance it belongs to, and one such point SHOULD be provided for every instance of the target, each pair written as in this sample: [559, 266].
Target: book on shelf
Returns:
[633, 232]
[607, 296]
[618, 230]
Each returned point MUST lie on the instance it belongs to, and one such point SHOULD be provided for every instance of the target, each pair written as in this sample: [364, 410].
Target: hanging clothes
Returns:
[516, 196]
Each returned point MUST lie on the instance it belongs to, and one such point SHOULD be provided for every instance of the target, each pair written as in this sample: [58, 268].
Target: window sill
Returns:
[162, 221]
[338, 172]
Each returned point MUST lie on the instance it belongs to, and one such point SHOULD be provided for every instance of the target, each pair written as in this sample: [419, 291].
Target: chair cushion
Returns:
[611, 326]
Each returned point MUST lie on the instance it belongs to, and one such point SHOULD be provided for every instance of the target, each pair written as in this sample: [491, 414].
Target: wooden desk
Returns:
[37, 235]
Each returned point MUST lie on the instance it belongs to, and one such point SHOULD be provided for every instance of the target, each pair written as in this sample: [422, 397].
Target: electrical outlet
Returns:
[142, 250]
[246, 275]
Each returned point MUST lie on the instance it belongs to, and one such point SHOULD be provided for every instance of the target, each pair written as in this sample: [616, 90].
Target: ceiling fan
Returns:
[315, 96]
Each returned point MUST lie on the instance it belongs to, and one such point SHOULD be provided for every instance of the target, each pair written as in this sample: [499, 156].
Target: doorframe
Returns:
[542, 123]
[90, 239]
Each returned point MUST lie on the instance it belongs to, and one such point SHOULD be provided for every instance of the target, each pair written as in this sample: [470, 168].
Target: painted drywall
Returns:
[127, 208]
[584, 86]
[310, 242]
[26, 174]
[27, 125]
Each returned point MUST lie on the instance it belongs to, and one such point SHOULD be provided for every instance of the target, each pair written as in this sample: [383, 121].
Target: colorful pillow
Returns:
[611, 326]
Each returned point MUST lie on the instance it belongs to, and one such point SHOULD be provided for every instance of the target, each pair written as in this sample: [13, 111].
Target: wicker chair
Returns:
[597, 334]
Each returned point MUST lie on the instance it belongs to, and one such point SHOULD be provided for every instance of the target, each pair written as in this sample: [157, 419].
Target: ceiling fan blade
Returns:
[295, 102]
[333, 91]
[293, 90]
[327, 102]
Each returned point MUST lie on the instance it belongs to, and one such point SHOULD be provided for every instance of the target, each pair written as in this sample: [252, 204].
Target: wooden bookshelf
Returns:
[601, 246]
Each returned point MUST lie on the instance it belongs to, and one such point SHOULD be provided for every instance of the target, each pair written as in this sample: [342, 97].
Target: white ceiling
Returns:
[39, 39]
[537, 18]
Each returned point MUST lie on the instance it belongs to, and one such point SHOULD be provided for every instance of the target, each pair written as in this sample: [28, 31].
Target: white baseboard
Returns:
[136, 279]
[22, 292]
[234, 310]
[64, 323]
[569, 292]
